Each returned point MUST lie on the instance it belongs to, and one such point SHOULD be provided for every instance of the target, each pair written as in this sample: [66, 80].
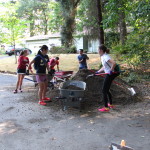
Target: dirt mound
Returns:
[93, 93]
[119, 88]
[72, 87]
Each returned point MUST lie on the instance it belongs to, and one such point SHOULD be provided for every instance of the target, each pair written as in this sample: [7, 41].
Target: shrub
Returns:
[111, 38]
[62, 50]
[135, 52]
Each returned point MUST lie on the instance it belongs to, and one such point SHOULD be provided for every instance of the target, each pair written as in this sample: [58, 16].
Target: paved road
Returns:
[24, 125]
[3, 57]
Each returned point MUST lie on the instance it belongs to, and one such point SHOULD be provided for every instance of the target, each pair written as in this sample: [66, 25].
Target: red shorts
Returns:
[41, 78]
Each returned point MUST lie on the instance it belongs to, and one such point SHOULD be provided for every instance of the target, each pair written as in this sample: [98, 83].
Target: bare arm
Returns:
[48, 68]
[29, 67]
[58, 67]
[87, 58]
[80, 61]
[101, 70]
[113, 64]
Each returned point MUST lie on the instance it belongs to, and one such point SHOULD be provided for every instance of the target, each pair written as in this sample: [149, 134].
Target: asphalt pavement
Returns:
[25, 125]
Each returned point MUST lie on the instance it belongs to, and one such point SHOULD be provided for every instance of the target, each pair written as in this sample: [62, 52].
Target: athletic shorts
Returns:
[41, 78]
[21, 71]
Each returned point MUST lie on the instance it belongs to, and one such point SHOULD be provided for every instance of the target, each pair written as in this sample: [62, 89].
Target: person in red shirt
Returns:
[23, 62]
[53, 62]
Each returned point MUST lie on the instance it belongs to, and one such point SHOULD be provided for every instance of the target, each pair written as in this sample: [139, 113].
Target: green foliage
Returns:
[133, 77]
[135, 52]
[63, 50]
[12, 27]
[111, 38]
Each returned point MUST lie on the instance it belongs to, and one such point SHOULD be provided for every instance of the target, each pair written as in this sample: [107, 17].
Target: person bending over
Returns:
[53, 62]
[108, 65]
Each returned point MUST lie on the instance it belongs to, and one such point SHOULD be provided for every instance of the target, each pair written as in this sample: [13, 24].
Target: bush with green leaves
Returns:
[111, 38]
[135, 52]
[63, 50]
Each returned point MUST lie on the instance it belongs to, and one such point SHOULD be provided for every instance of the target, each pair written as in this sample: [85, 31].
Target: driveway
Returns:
[3, 57]
[24, 125]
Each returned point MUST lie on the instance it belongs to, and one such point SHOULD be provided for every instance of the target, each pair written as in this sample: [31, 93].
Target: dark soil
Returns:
[72, 87]
[93, 93]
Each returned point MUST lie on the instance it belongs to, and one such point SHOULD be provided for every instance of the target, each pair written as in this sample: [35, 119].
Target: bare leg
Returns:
[41, 90]
[44, 90]
[17, 85]
[21, 79]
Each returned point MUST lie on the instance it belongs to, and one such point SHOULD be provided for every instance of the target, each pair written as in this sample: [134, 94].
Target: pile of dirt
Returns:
[119, 88]
[72, 87]
[93, 93]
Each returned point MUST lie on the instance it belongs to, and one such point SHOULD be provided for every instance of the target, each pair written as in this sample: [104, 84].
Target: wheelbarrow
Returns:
[71, 97]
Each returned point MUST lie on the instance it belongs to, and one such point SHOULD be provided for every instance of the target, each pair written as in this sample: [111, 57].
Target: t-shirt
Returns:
[23, 62]
[40, 63]
[83, 57]
[53, 62]
[107, 66]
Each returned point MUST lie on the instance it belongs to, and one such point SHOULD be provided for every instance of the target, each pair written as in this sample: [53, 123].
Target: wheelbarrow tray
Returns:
[73, 93]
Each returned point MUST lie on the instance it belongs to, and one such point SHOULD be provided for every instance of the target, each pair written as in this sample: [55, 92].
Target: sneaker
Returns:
[46, 99]
[111, 106]
[104, 109]
[15, 91]
[42, 103]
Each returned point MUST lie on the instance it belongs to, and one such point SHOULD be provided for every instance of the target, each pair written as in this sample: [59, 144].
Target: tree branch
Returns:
[76, 3]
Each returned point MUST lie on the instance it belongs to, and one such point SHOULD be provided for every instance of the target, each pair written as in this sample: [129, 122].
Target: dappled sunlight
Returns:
[91, 121]
[84, 115]
[72, 117]
[8, 127]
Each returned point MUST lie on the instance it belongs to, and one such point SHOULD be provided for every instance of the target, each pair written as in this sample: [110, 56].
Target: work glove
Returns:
[110, 73]
[96, 72]
[27, 72]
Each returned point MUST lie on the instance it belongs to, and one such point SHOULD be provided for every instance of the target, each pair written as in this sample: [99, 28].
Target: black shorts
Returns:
[21, 71]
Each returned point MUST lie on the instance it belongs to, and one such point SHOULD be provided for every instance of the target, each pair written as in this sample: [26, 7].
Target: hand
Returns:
[110, 73]
[27, 72]
[31, 71]
[97, 72]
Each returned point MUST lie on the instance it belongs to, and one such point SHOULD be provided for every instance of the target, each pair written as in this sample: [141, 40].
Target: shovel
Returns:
[132, 91]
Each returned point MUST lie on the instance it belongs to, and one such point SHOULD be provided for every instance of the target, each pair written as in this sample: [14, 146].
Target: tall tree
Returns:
[12, 27]
[100, 22]
[122, 21]
[115, 17]
[69, 10]
[37, 12]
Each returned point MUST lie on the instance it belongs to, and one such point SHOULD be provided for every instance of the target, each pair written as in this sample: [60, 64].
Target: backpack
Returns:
[36, 66]
[117, 67]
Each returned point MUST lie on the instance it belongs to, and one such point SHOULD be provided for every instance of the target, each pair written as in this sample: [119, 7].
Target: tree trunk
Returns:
[31, 25]
[69, 12]
[122, 25]
[100, 24]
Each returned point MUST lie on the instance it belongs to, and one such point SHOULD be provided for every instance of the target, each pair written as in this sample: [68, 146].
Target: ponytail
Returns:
[104, 49]
[39, 52]
[22, 52]
[44, 47]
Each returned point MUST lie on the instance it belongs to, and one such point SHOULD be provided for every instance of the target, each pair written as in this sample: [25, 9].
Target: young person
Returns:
[108, 67]
[82, 59]
[23, 62]
[40, 65]
[53, 62]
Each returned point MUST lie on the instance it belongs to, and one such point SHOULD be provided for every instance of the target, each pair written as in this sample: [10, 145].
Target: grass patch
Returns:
[67, 62]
